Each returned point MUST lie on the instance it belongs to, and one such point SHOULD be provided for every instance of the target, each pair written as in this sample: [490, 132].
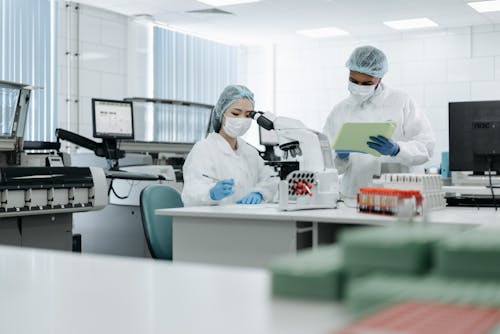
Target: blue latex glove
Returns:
[252, 198]
[222, 189]
[343, 156]
[383, 145]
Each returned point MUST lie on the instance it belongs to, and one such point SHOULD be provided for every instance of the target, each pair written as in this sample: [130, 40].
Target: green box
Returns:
[474, 254]
[312, 274]
[397, 249]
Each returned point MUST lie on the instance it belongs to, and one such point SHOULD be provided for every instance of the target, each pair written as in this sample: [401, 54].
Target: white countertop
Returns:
[56, 292]
[344, 214]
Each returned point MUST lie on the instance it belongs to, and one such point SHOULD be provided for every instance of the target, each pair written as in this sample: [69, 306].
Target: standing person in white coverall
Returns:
[371, 101]
[223, 168]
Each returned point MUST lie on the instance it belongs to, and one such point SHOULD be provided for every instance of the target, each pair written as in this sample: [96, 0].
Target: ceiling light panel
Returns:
[485, 6]
[323, 32]
[220, 3]
[411, 24]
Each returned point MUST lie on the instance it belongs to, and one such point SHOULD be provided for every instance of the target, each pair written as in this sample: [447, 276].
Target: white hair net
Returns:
[368, 60]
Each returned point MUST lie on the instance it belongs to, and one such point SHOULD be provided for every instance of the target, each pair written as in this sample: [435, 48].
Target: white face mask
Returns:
[361, 92]
[237, 126]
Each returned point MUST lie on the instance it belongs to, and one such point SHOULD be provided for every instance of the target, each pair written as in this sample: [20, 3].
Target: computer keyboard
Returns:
[121, 174]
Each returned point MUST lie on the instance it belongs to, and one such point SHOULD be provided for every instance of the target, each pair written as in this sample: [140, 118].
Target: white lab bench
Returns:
[252, 235]
[59, 292]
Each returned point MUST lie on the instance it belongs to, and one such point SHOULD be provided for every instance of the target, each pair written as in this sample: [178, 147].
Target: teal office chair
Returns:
[158, 229]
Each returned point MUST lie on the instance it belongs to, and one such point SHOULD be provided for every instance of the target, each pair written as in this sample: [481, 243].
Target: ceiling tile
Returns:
[278, 20]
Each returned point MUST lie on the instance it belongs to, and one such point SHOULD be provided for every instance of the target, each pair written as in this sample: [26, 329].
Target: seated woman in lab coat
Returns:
[223, 168]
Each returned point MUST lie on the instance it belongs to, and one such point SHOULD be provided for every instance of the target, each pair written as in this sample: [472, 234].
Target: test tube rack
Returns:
[309, 190]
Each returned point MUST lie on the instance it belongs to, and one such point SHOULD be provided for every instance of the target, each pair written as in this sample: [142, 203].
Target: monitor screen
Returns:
[268, 137]
[474, 136]
[113, 119]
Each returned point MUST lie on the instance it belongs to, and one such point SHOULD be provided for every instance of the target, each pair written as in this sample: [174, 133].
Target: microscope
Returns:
[315, 184]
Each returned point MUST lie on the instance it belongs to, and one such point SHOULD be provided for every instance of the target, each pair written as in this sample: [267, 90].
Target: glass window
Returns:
[193, 69]
[28, 55]
[8, 103]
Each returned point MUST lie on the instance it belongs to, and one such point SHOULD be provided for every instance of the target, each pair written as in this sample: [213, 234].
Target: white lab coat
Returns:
[413, 134]
[214, 156]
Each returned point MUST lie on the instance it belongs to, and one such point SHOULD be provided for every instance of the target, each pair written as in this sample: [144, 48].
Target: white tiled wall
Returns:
[255, 68]
[304, 80]
[103, 63]
[435, 68]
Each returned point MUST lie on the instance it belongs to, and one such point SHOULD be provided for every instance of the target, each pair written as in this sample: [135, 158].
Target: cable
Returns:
[111, 189]
[349, 206]
[490, 166]
[118, 196]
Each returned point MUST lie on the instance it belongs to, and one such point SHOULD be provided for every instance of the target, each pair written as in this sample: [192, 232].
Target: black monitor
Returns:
[474, 136]
[268, 137]
[113, 119]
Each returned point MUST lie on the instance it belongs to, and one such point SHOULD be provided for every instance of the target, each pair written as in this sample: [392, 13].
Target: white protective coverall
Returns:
[213, 156]
[413, 134]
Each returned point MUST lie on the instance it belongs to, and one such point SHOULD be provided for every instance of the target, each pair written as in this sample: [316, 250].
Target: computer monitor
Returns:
[113, 119]
[474, 136]
[268, 137]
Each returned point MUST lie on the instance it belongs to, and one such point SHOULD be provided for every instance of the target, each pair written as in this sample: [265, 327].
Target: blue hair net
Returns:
[230, 94]
[368, 60]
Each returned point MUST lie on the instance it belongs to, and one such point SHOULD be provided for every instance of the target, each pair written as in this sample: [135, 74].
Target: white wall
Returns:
[433, 67]
[103, 58]
[255, 70]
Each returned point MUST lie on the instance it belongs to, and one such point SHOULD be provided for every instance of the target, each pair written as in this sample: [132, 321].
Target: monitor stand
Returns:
[111, 151]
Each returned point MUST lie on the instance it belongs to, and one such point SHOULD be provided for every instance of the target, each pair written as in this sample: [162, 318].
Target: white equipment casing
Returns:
[100, 188]
[131, 189]
[313, 152]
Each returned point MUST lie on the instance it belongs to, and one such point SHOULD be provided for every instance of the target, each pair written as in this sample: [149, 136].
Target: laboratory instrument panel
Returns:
[28, 191]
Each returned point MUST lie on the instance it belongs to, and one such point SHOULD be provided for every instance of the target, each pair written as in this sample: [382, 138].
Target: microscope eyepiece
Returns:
[262, 120]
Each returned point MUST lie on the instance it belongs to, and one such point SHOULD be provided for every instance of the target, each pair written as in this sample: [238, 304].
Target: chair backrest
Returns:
[158, 229]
